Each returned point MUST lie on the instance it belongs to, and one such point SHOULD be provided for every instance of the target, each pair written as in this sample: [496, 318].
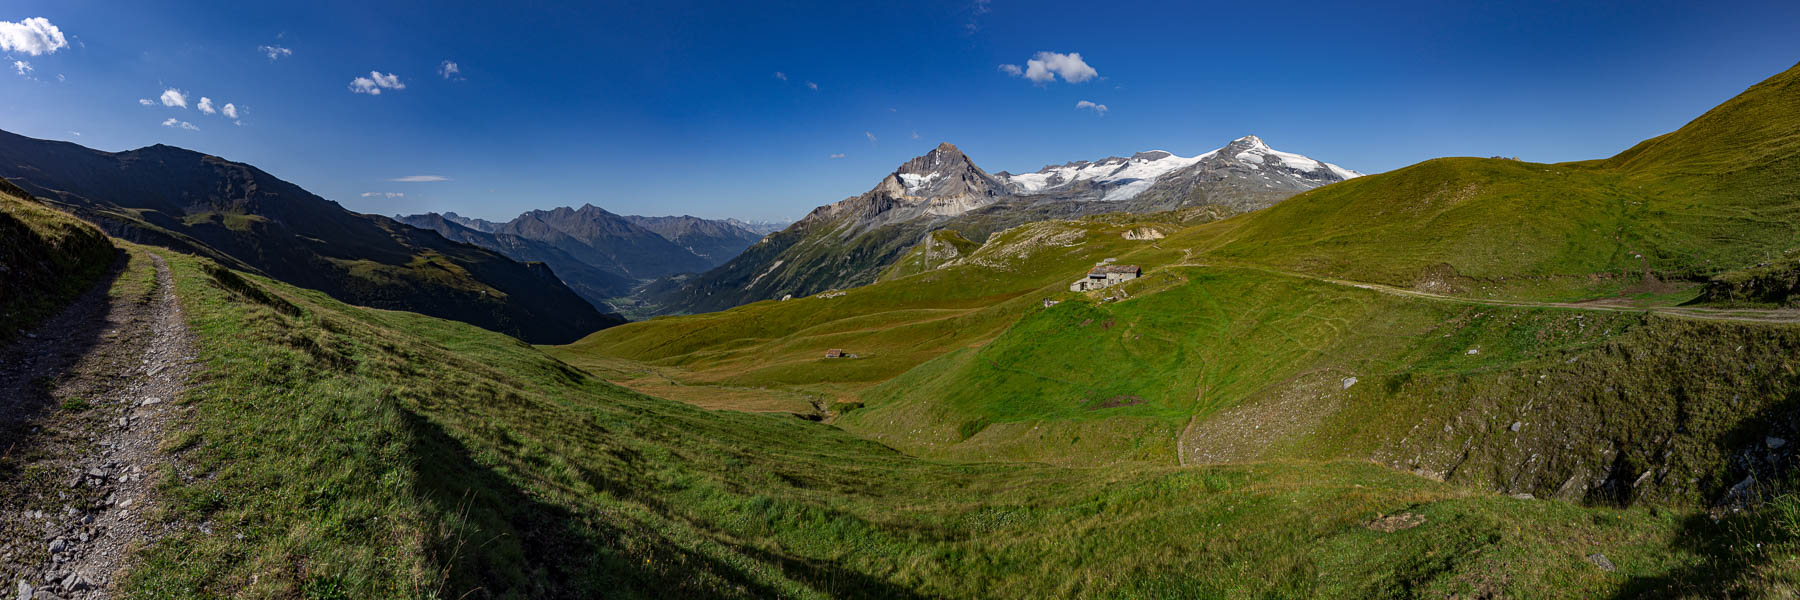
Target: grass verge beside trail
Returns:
[337, 452]
[47, 258]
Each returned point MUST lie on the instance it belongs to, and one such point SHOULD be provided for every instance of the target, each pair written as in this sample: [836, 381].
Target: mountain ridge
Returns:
[851, 241]
[246, 217]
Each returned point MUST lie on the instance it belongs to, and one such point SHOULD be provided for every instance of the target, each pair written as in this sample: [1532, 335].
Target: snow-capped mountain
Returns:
[941, 183]
[1116, 179]
[849, 242]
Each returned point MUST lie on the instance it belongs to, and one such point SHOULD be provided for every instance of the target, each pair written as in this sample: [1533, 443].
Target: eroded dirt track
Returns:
[85, 400]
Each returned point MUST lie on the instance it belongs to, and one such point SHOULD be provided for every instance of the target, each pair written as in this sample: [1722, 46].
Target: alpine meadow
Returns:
[589, 354]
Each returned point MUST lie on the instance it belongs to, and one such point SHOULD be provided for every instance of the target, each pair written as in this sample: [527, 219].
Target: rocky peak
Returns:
[1247, 143]
[945, 158]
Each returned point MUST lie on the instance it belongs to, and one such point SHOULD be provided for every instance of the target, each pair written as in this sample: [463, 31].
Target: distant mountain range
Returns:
[601, 255]
[849, 242]
[250, 219]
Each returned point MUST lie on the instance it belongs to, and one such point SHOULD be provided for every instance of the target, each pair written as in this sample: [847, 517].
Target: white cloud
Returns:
[813, 86]
[915, 135]
[980, 8]
[1046, 66]
[23, 67]
[206, 106]
[274, 52]
[871, 136]
[839, 155]
[174, 98]
[420, 178]
[77, 133]
[780, 75]
[146, 102]
[173, 122]
[1099, 109]
[384, 194]
[230, 110]
[32, 36]
[375, 82]
[449, 70]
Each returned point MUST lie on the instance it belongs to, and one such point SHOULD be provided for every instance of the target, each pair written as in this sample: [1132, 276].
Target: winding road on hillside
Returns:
[1746, 315]
[85, 399]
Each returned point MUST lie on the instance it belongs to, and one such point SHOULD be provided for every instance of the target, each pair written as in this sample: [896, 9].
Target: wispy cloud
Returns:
[174, 122]
[375, 82]
[274, 52]
[22, 67]
[174, 98]
[35, 36]
[812, 86]
[980, 7]
[1099, 109]
[420, 178]
[449, 70]
[384, 194]
[146, 102]
[915, 135]
[870, 135]
[780, 75]
[837, 156]
[1044, 68]
[206, 105]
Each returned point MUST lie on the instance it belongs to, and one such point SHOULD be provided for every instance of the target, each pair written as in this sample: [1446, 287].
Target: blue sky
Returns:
[673, 108]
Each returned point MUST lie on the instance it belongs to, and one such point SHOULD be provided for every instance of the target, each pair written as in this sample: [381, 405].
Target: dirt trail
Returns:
[1748, 315]
[85, 400]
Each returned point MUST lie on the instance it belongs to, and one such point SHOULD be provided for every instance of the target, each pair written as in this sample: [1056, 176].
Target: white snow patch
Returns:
[914, 181]
[1132, 175]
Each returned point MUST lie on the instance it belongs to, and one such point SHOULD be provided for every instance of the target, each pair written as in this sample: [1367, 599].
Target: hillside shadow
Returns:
[498, 541]
[32, 365]
[1732, 548]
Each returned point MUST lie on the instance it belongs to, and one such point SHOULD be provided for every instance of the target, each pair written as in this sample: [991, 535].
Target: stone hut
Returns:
[1105, 276]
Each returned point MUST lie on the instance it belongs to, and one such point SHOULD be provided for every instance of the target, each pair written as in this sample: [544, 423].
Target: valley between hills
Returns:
[1469, 378]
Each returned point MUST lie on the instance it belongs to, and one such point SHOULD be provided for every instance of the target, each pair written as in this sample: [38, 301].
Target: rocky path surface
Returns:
[1749, 315]
[84, 402]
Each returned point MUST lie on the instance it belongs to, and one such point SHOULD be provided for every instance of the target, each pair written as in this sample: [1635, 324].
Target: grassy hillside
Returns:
[1714, 196]
[46, 259]
[205, 204]
[339, 452]
[1207, 365]
[891, 326]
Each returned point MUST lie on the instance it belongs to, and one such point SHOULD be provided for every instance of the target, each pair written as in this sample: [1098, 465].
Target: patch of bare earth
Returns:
[1393, 523]
[85, 400]
[1246, 432]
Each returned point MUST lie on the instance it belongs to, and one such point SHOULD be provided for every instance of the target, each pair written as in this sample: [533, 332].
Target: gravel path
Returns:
[84, 401]
[1745, 315]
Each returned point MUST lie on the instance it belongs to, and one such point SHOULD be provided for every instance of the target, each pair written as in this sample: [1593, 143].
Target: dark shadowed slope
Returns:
[592, 283]
[184, 199]
[715, 241]
[605, 240]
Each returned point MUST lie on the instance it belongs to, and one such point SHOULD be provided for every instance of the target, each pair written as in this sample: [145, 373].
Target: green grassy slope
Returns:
[339, 452]
[1235, 364]
[1716, 195]
[892, 326]
[46, 259]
